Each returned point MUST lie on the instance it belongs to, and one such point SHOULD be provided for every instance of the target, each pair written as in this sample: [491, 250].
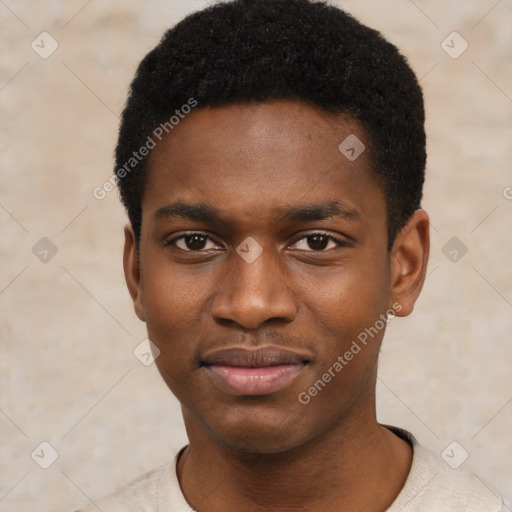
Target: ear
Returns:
[409, 258]
[131, 266]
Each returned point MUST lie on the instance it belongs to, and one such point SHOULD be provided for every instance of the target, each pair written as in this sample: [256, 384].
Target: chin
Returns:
[257, 442]
[258, 432]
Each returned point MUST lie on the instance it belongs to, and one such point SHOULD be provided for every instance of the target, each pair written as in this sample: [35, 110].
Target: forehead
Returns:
[251, 159]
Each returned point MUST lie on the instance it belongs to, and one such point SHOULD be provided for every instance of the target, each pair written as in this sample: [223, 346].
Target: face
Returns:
[263, 258]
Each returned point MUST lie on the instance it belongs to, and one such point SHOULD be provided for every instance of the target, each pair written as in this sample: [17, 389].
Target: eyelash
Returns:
[340, 243]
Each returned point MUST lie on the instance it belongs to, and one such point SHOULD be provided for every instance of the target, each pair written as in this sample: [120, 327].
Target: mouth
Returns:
[239, 371]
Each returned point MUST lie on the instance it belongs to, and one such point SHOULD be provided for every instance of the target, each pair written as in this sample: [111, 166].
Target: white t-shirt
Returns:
[431, 486]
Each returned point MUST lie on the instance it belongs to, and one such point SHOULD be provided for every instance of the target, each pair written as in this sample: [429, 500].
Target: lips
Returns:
[262, 371]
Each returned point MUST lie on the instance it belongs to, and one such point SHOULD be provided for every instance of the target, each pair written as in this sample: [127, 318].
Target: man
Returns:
[271, 159]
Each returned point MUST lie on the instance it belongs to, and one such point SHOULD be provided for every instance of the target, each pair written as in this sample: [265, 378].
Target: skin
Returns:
[252, 163]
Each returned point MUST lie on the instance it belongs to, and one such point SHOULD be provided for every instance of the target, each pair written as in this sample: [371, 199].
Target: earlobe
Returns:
[409, 258]
[131, 266]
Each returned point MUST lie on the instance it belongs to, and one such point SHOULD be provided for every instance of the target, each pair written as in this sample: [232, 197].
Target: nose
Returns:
[250, 294]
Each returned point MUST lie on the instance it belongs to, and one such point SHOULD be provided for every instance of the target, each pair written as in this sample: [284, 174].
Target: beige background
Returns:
[68, 373]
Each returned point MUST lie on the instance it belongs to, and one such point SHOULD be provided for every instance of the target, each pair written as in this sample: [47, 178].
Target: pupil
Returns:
[195, 241]
[317, 242]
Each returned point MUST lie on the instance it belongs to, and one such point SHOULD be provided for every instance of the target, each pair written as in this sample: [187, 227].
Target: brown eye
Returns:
[319, 242]
[192, 242]
[195, 242]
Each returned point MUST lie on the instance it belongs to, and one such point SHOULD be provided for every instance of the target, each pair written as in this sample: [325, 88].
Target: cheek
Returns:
[174, 308]
[346, 310]
[177, 337]
[349, 329]
[171, 293]
[350, 296]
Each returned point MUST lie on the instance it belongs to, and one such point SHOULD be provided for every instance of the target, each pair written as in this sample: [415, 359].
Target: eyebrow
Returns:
[203, 212]
[311, 212]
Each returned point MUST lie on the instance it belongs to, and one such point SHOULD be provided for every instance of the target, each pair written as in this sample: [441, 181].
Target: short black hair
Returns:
[245, 51]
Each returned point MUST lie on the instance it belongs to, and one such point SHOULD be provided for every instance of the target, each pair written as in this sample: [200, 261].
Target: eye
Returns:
[191, 242]
[319, 242]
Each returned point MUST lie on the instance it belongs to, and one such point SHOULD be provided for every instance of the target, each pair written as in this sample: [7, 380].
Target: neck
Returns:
[357, 465]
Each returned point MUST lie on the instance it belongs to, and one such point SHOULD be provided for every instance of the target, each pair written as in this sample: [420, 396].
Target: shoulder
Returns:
[156, 490]
[432, 485]
[140, 495]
